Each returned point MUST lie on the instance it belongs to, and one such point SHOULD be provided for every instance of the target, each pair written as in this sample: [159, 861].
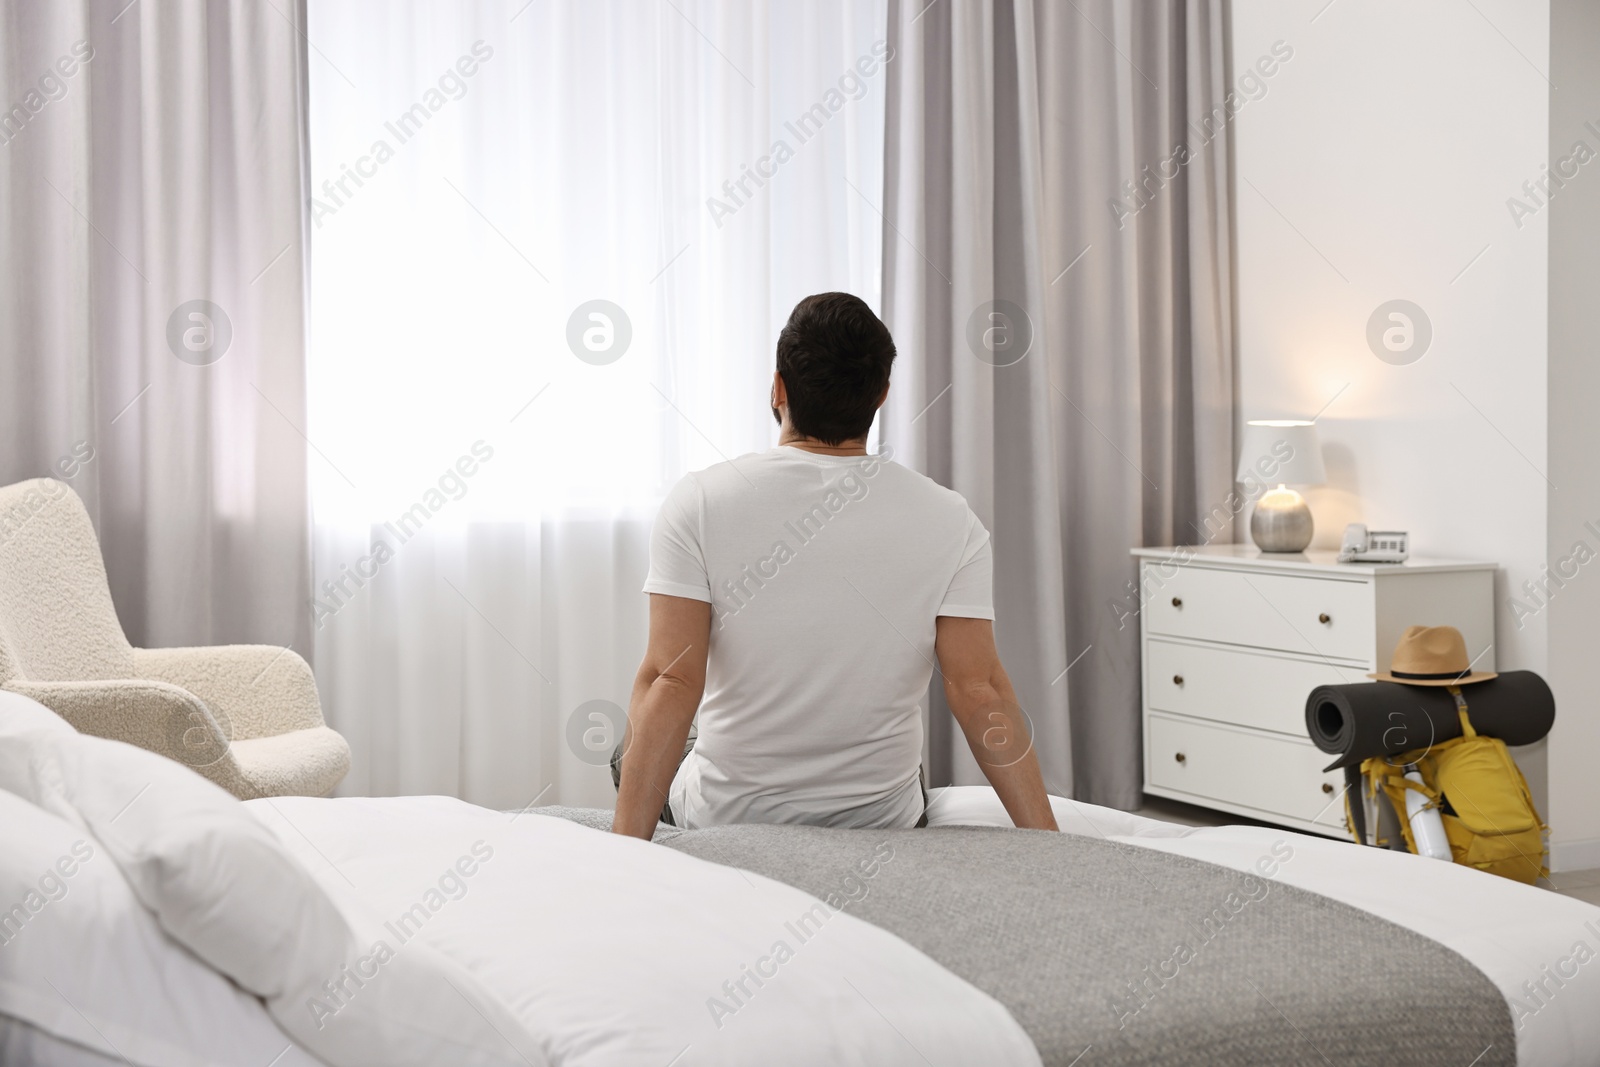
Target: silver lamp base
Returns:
[1281, 522]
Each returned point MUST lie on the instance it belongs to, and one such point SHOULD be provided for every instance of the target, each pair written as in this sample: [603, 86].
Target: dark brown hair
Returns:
[834, 355]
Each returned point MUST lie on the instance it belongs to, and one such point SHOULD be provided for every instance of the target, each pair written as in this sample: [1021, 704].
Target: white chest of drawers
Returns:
[1234, 640]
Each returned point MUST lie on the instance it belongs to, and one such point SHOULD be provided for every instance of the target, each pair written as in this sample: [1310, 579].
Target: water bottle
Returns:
[1427, 828]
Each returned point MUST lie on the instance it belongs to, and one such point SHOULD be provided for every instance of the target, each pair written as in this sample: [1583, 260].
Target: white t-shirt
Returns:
[825, 575]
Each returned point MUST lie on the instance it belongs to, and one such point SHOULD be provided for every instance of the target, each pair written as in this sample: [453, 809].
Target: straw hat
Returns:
[1432, 655]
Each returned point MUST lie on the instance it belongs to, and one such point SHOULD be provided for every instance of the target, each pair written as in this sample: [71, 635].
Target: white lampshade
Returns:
[1281, 452]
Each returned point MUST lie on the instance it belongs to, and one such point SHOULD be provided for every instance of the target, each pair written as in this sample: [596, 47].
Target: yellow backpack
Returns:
[1487, 810]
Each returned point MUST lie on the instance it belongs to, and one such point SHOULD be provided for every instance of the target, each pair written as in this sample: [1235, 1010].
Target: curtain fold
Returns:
[686, 171]
[152, 304]
[1063, 291]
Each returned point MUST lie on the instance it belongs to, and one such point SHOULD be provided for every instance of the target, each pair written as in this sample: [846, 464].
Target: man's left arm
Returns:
[985, 706]
[666, 695]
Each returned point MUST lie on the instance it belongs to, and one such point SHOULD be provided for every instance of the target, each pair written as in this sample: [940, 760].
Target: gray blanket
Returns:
[1113, 954]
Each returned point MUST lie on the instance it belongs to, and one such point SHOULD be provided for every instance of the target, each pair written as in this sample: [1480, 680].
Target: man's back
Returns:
[825, 574]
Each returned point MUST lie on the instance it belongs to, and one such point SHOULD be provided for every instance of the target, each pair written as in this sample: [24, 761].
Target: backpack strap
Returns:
[1461, 709]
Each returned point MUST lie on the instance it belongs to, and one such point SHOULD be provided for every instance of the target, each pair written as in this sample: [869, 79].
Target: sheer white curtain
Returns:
[488, 453]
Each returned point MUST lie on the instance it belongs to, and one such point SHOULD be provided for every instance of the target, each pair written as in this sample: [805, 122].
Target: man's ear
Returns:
[780, 398]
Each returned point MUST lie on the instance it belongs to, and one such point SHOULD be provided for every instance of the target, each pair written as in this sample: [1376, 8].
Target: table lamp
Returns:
[1283, 452]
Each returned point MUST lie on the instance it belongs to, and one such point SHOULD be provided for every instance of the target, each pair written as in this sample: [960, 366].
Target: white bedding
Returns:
[613, 951]
[616, 952]
[1509, 931]
[176, 849]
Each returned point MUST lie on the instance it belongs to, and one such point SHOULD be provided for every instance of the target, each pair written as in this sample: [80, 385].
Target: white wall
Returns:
[1575, 437]
[1377, 166]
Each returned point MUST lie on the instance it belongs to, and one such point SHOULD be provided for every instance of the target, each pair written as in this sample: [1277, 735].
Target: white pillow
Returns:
[22, 1043]
[23, 715]
[221, 884]
[82, 960]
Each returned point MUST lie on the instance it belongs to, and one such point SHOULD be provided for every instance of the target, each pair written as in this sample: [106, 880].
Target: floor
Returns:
[1585, 885]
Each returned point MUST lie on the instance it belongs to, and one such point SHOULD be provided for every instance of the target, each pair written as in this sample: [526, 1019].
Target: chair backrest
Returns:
[57, 622]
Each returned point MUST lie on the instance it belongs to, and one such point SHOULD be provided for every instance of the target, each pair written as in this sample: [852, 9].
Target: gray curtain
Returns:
[152, 172]
[1059, 285]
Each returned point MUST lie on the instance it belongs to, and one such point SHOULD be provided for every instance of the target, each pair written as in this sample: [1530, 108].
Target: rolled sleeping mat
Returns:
[1358, 722]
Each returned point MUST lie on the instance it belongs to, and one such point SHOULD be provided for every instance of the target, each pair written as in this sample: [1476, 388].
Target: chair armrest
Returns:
[262, 690]
[152, 715]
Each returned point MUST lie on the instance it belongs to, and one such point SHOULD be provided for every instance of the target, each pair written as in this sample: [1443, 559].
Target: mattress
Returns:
[1148, 959]
[1530, 945]
[1538, 948]
[614, 952]
[965, 943]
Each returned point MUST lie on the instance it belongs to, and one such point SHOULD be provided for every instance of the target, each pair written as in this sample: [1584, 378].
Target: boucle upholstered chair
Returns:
[245, 716]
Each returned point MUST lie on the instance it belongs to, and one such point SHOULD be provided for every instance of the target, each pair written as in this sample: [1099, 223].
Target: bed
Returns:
[534, 937]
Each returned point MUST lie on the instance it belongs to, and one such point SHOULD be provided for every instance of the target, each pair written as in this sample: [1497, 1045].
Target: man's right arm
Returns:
[984, 704]
[666, 694]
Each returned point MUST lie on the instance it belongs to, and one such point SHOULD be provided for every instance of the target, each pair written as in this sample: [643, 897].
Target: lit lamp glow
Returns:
[1281, 452]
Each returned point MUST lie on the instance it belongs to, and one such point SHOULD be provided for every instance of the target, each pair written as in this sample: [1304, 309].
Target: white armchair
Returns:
[245, 716]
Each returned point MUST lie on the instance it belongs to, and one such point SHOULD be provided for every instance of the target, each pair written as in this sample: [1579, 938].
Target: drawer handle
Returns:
[1327, 787]
[1177, 679]
[1324, 618]
[1177, 601]
[1181, 758]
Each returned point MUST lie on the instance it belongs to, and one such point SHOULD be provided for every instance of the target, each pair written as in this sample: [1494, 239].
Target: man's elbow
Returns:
[678, 688]
[968, 699]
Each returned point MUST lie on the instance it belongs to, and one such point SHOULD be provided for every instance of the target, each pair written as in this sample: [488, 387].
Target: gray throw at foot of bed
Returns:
[1148, 958]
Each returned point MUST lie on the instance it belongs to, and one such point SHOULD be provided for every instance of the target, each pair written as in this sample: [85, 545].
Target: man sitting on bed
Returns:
[798, 600]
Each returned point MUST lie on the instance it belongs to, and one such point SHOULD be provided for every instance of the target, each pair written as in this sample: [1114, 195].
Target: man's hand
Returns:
[666, 694]
[984, 704]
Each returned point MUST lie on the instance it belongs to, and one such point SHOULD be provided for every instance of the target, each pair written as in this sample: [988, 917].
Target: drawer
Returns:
[1271, 774]
[1275, 611]
[1223, 684]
